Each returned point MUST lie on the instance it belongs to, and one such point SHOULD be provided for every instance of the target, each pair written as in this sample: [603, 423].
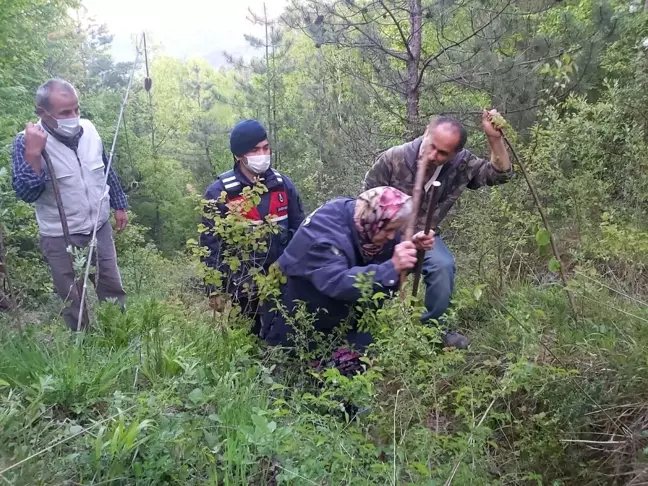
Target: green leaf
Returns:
[259, 421]
[210, 439]
[421, 468]
[478, 293]
[196, 396]
[554, 265]
[542, 237]
[3, 383]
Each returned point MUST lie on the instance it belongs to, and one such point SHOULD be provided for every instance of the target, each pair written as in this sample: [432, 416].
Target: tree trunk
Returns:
[209, 161]
[158, 224]
[267, 57]
[412, 71]
[274, 105]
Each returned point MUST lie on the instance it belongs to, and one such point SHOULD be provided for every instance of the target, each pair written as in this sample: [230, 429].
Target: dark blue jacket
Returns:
[281, 202]
[320, 264]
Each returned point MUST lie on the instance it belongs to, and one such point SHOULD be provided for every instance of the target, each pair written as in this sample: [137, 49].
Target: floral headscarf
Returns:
[375, 209]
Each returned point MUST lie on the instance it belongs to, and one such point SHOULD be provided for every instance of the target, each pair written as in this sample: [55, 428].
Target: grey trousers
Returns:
[109, 284]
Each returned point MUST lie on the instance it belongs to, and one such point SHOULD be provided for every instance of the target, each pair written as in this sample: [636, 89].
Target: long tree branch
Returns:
[357, 27]
[433, 58]
[400, 30]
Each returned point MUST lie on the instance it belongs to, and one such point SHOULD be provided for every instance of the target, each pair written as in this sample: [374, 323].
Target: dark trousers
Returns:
[107, 280]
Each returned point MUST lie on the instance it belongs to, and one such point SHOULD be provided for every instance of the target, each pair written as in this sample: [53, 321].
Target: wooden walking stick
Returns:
[421, 253]
[416, 199]
[543, 216]
[499, 123]
[66, 230]
[6, 297]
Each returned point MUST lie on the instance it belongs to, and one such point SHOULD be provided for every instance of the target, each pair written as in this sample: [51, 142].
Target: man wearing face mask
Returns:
[79, 162]
[281, 205]
[441, 148]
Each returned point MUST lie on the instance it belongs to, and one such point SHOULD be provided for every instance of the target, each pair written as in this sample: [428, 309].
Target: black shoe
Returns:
[454, 339]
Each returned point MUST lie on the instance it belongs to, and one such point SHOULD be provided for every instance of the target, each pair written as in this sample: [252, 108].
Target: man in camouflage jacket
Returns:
[441, 148]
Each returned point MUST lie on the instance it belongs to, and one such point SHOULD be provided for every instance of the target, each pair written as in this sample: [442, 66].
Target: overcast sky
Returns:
[193, 28]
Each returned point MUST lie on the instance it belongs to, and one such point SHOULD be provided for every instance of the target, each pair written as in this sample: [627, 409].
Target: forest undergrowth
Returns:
[169, 393]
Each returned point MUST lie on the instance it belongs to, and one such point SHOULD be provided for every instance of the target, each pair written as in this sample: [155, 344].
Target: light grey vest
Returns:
[80, 178]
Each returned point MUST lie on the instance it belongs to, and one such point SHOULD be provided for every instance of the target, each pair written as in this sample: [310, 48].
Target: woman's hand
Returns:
[404, 256]
[422, 241]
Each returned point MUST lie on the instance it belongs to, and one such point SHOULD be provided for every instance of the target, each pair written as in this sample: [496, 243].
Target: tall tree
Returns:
[268, 71]
[389, 35]
[411, 47]
[26, 30]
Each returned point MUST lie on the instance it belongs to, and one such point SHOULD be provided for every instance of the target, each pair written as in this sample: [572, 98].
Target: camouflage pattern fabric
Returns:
[396, 167]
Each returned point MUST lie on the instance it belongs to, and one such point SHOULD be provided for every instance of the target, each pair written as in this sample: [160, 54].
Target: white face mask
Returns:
[258, 164]
[68, 127]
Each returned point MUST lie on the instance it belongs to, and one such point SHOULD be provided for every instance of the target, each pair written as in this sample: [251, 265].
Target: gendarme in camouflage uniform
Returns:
[396, 167]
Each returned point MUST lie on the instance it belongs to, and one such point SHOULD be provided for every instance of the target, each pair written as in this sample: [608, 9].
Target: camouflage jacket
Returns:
[396, 167]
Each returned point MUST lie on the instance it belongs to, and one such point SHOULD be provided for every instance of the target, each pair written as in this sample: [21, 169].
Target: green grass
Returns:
[165, 394]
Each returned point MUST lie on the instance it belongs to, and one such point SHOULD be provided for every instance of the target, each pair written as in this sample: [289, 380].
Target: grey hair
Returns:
[455, 124]
[44, 90]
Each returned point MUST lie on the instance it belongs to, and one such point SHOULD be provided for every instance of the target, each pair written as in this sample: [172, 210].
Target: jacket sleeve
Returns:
[295, 208]
[208, 238]
[380, 173]
[485, 173]
[328, 270]
[117, 196]
[27, 184]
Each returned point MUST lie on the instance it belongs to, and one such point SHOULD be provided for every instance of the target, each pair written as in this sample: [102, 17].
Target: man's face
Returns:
[262, 148]
[439, 144]
[63, 105]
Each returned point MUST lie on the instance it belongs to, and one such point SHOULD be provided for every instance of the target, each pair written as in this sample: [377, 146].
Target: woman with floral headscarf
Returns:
[337, 243]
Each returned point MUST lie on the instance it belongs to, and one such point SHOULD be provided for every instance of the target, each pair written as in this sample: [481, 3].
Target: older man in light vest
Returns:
[79, 162]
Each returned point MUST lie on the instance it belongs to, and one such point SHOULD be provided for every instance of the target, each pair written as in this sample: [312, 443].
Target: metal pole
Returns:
[148, 83]
[93, 240]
